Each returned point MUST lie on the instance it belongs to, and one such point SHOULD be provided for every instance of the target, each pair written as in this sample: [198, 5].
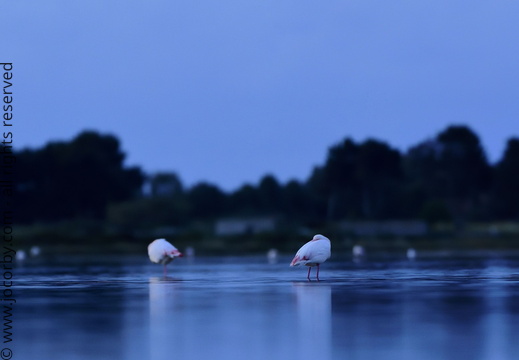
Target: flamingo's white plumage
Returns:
[313, 253]
[162, 252]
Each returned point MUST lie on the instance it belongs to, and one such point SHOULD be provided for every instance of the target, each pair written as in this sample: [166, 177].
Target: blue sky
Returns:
[227, 91]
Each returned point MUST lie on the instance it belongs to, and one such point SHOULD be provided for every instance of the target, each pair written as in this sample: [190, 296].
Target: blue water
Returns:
[246, 308]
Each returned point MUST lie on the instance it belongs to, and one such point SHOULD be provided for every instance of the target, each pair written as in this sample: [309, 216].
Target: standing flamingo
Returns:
[313, 253]
[162, 252]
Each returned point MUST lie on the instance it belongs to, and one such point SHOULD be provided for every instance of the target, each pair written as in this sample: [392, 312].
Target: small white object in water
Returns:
[272, 255]
[20, 255]
[358, 251]
[411, 254]
[190, 251]
[35, 251]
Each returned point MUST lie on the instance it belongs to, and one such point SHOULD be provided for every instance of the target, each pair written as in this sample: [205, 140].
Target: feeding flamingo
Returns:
[161, 251]
[313, 253]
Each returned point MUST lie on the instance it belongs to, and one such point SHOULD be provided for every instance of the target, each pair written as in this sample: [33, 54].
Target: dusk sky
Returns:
[228, 91]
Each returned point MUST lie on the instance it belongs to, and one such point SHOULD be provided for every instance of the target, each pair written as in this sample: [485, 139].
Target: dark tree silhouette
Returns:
[463, 172]
[269, 194]
[207, 201]
[245, 201]
[450, 172]
[379, 172]
[340, 179]
[75, 179]
[506, 186]
[165, 184]
[441, 179]
[422, 193]
[361, 180]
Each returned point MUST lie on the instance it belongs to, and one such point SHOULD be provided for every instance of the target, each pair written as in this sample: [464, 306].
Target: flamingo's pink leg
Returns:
[317, 272]
[308, 276]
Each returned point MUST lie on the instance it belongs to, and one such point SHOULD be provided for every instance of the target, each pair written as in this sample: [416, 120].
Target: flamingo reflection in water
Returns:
[314, 317]
[163, 314]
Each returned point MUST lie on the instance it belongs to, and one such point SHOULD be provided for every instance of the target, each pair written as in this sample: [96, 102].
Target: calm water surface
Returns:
[245, 308]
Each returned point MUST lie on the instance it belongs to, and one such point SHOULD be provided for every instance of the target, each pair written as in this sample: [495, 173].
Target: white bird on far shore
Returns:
[313, 253]
[162, 252]
[272, 256]
[35, 251]
[20, 255]
[358, 251]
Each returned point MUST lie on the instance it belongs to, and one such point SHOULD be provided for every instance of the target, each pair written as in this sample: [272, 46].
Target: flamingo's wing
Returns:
[156, 251]
[303, 255]
[321, 251]
[313, 252]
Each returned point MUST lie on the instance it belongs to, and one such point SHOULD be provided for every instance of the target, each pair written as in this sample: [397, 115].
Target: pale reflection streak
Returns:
[499, 336]
[162, 293]
[314, 320]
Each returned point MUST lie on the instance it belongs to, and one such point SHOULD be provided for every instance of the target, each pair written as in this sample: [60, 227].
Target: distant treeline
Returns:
[446, 178]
